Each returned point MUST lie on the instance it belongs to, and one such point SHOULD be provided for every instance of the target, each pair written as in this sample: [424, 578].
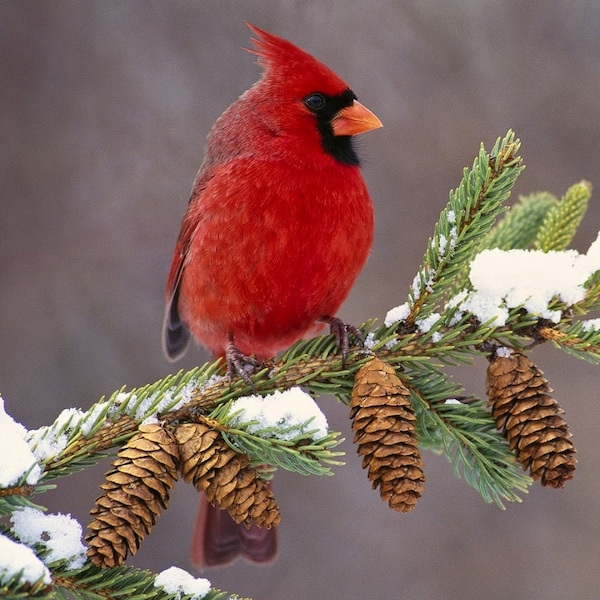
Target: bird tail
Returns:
[218, 540]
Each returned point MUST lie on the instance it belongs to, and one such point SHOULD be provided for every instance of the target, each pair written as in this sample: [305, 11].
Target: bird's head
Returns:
[307, 99]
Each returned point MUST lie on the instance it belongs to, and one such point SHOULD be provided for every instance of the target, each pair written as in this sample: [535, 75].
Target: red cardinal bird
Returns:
[278, 226]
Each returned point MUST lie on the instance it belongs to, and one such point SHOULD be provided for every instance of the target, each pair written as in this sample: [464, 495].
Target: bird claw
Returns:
[237, 363]
[341, 331]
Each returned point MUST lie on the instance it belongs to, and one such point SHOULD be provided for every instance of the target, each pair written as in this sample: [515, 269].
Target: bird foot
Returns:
[341, 331]
[239, 364]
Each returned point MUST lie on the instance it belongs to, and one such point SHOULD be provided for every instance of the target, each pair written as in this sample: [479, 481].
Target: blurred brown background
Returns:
[104, 108]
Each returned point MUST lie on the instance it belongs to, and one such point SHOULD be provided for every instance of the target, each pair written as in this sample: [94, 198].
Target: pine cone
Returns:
[225, 476]
[384, 424]
[530, 418]
[135, 492]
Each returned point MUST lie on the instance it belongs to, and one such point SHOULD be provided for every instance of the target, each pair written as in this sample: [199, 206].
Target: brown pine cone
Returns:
[384, 423]
[225, 476]
[136, 490]
[530, 418]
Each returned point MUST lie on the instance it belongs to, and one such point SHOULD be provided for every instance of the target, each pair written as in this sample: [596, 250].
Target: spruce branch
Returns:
[77, 438]
[591, 301]
[576, 339]
[470, 214]
[464, 430]
[477, 453]
[295, 455]
[400, 397]
[563, 218]
[521, 223]
[118, 583]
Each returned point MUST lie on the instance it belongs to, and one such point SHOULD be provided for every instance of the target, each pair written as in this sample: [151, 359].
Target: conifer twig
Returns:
[399, 393]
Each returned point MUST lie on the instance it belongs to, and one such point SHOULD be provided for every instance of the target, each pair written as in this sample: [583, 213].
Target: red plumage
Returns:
[279, 223]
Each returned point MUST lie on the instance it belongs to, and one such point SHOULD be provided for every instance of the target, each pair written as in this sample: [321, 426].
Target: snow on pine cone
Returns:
[384, 424]
[225, 476]
[136, 491]
[530, 418]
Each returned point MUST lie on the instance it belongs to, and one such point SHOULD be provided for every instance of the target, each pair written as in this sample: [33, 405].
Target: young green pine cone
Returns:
[136, 490]
[225, 476]
[384, 424]
[530, 418]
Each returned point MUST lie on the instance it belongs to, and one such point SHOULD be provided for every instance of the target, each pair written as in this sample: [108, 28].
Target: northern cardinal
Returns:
[278, 226]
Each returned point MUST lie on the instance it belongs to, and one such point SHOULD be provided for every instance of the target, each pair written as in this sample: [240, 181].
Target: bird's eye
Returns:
[315, 102]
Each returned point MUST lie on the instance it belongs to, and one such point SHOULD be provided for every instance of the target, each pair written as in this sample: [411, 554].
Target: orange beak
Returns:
[355, 119]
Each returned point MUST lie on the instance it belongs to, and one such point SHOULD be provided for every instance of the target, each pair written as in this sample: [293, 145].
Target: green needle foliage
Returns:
[435, 333]
[563, 218]
[520, 226]
[119, 583]
[469, 215]
[578, 340]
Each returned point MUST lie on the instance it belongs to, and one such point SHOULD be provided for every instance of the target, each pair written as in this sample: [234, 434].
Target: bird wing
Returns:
[176, 335]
